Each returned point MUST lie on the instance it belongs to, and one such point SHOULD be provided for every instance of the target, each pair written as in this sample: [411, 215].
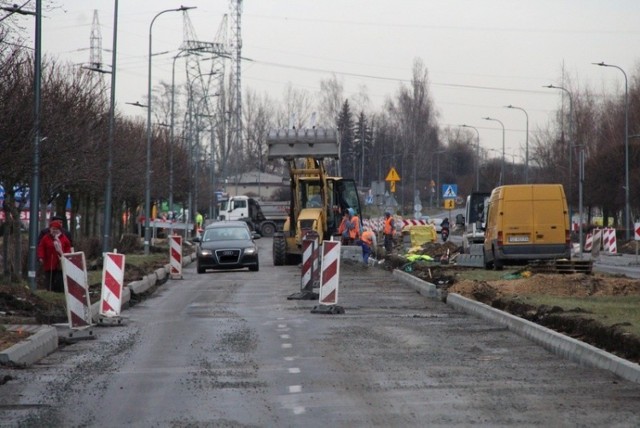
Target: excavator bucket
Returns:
[303, 143]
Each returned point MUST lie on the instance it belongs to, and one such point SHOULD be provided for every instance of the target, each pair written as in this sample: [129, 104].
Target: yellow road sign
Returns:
[392, 186]
[449, 204]
[392, 176]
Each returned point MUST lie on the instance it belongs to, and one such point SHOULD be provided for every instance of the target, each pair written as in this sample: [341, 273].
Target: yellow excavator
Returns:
[317, 201]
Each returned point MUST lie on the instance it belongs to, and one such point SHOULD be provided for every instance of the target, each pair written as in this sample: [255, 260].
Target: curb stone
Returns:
[40, 344]
[559, 344]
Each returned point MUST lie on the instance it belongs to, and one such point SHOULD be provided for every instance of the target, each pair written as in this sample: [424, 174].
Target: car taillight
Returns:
[500, 238]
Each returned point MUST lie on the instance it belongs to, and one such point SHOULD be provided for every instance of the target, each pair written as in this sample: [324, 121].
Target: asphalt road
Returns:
[228, 349]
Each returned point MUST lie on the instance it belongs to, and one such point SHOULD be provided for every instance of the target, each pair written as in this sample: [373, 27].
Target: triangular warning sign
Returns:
[449, 193]
[392, 175]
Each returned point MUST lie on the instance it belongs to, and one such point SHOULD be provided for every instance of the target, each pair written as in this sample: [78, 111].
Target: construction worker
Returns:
[350, 228]
[199, 221]
[387, 231]
[368, 244]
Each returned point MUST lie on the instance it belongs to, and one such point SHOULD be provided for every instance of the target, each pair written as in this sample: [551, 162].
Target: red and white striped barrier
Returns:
[76, 290]
[112, 283]
[609, 243]
[307, 273]
[588, 243]
[330, 273]
[410, 222]
[175, 256]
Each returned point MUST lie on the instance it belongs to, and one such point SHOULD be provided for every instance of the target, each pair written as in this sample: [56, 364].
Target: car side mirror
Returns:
[255, 235]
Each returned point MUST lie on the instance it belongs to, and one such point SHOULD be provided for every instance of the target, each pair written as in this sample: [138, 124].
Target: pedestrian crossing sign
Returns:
[449, 191]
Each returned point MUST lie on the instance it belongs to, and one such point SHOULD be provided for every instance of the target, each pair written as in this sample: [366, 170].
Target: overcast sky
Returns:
[481, 54]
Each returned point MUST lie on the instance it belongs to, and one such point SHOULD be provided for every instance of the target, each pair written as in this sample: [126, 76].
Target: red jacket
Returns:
[47, 253]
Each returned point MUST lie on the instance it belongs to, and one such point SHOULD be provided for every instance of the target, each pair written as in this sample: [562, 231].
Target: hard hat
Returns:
[387, 212]
[351, 211]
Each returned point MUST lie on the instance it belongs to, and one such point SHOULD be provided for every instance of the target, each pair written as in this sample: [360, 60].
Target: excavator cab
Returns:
[317, 201]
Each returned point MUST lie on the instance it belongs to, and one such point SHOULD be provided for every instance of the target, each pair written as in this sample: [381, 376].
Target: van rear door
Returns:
[549, 208]
[518, 212]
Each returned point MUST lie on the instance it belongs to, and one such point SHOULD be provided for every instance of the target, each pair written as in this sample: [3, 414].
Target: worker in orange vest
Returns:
[350, 228]
[368, 244]
[387, 231]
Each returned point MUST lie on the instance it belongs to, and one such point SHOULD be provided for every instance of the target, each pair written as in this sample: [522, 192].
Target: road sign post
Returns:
[392, 178]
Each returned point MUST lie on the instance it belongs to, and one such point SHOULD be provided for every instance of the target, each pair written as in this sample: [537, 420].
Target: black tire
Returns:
[497, 263]
[267, 229]
[279, 250]
[201, 269]
[487, 264]
[255, 268]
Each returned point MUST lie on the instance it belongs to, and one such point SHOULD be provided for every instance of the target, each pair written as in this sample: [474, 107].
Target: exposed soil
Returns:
[504, 295]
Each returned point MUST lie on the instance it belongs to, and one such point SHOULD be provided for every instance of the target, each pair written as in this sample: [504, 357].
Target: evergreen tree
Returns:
[345, 132]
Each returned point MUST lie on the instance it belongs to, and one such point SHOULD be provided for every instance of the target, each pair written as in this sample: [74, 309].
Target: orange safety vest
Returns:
[367, 237]
[388, 225]
[355, 232]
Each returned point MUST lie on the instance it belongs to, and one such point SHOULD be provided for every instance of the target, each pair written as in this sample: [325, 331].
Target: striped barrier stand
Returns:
[588, 243]
[329, 279]
[309, 246]
[76, 290]
[175, 256]
[611, 242]
[112, 285]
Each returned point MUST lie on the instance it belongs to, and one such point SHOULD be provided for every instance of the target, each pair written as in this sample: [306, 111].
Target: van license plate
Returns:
[518, 239]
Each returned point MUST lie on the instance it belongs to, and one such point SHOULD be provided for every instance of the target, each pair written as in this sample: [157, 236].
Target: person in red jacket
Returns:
[50, 248]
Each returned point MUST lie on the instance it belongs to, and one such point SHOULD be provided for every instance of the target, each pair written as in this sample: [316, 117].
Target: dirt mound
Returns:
[576, 285]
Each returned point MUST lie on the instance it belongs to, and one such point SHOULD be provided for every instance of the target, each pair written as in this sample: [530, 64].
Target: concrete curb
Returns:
[40, 344]
[559, 344]
[45, 340]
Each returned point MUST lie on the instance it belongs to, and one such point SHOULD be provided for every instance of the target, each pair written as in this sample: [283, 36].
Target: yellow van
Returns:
[526, 222]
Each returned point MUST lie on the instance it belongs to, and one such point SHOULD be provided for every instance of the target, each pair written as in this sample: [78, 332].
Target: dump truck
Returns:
[265, 217]
[318, 201]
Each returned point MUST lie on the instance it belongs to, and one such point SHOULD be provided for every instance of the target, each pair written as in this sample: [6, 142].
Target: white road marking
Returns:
[294, 389]
[294, 370]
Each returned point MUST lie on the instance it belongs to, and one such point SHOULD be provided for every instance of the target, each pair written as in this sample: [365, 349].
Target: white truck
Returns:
[474, 219]
[265, 217]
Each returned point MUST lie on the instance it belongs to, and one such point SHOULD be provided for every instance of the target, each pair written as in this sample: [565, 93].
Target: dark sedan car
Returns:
[227, 245]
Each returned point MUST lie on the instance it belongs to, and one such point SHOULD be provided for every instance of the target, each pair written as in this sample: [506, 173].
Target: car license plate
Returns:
[518, 239]
[227, 253]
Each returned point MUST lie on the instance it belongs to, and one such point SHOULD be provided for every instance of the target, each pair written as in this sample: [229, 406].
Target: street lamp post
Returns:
[437, 187]
[572, 143]
[627, 210]
[106, 239]
[526, 144]
[34, 191]
[502, 163]
[477, 155]
[147, 197]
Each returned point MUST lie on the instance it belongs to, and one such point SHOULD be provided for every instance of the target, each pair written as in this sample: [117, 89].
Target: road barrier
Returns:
[175, 256]
[609, 243]
[329, 279]
[76, 290]
[307, 272]
[112, 285]
[605, 239]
